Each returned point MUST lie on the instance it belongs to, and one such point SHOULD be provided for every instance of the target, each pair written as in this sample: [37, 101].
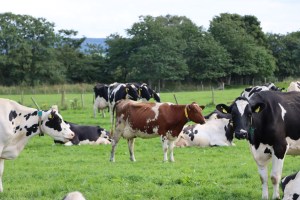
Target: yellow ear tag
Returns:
[224, 111]
[50, 116]
[126, 90]
[257, 109]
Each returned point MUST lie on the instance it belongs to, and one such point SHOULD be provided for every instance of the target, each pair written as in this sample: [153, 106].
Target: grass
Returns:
[46, 171]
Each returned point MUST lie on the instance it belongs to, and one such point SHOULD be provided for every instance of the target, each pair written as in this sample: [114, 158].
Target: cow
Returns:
[76, 195]
[291, 187]
[214, 132]
[248, 92]
[146, 93]
[151, 119]
[294, 86]
[101, 98]
[19, 123]
[119, 91]
[85, 134]
[270, 122]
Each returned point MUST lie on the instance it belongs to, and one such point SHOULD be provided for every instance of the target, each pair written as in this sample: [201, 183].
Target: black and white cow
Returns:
[270, 122]
[118, 91]
[294, 86]
[101, 98]
[146, 93]
[19, 123]
[85, 134]
[291, 187]
[214, 132]
[248, 92]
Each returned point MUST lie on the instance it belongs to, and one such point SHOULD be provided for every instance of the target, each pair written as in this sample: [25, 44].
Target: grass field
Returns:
[47, 171]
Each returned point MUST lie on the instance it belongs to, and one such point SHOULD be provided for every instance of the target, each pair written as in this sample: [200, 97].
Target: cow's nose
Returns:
[72, 134]
[242, 134]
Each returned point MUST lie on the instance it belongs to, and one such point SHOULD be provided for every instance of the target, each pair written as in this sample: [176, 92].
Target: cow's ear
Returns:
[202, 107]
[257, 108]
[223, 108]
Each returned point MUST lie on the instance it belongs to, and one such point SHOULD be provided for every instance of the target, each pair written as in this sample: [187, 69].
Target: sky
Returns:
[100, 18]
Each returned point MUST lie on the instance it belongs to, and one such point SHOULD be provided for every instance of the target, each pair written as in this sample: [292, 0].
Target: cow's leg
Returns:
[262, 159]
[171, 144]
[103, 114]
[1, 173]
[164, 141]
[114, 142]
[277, 165]
[131, 149]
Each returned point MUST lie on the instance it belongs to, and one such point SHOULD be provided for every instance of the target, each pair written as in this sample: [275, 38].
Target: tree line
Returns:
[157, 50]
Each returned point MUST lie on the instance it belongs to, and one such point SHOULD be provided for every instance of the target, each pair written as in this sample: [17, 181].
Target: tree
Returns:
[229, 30]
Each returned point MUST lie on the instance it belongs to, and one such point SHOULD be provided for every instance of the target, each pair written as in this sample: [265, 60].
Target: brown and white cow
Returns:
[19, 123]
[148, 120]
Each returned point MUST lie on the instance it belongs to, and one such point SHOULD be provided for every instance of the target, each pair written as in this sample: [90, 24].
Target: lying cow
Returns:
[270, 122]
[76, 195]
[248, 92]
[19, 123]
[294, 86]
[87, 135]
[291, 187]
[148, 120]
[213, 133]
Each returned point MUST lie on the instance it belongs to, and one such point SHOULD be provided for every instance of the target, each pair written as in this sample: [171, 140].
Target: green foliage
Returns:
[157, 50]
[45, 171]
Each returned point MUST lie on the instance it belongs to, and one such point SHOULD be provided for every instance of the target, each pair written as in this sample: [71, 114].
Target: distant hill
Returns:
[100, 41]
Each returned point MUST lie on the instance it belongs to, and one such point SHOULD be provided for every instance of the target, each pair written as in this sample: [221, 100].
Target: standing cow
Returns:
[19, 123]
[119, 91]
[291, 187]
[101, 98]
[270, 122]
[146, 93]
[148, 120]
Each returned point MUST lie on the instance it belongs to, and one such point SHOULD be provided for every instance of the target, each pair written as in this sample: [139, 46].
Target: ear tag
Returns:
[224, 111]
[126, 90]
[257, 109]
[40, 113]
[50, 116]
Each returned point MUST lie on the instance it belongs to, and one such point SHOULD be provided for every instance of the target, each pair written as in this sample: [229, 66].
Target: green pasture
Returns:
[46, 171]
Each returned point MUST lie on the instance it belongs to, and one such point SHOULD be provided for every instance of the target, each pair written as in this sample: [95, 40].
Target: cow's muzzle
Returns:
[242, 134]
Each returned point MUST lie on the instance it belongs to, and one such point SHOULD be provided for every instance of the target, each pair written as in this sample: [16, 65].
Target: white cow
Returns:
[76, 195]
[213, 133]
[294, 86]
[19, 123]
[291, 186]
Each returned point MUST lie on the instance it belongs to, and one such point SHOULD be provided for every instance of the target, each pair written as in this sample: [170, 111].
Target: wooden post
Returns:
[175, 99]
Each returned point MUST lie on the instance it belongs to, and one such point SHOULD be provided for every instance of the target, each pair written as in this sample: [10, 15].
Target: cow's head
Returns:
[242, 116]
[143, 92]
[132, 92]
[193, 112]
[54, 125]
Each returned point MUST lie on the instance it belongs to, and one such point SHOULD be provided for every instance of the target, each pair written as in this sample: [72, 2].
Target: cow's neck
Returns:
[181, 119]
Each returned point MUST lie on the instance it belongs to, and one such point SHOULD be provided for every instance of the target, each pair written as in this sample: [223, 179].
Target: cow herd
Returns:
[264, 115]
